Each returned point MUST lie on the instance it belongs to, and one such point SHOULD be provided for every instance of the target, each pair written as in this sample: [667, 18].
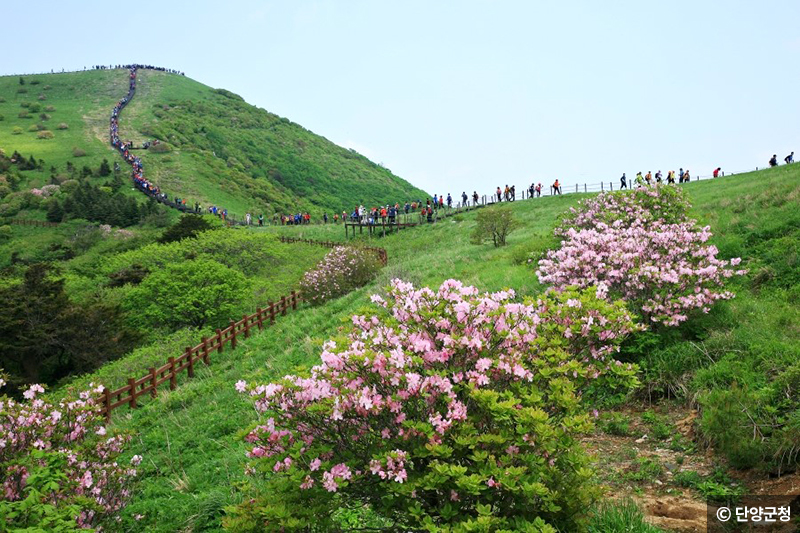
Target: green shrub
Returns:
[34, 127]
[42, 97]
[44, 117]
[50, 108]
[493, 224]
[22, 90]
[623, 516]
[717, 486]
[2, 118]
[188, 227]
[34, 108]
[660, 428]
[25, 105]
[614, 424]
[24, 114]
[45, 134]
[645, 469]
[2, 100]
[193, 293]
[78, 152]
[160, 148]
[16, 131]
[63, 126]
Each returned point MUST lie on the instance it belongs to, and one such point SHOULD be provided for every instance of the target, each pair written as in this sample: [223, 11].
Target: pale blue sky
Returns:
[469, 95]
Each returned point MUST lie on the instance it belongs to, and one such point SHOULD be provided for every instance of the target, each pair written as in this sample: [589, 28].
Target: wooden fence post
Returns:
[204, 349]
[294, 300]
[283, 305]
[153, 382]
[132, 391]
[271, 308]
[219, 340]
[107, 404]
[173, 379]
[190, 368]
[246, 324]
[260, 315]
[233, 335]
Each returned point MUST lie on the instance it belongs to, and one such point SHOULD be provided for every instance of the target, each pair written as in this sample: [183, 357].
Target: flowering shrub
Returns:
[59, 468]
[642, 247]
[448, 409]
[343, 269]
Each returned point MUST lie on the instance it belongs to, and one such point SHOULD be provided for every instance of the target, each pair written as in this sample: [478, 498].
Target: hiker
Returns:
[261, 219]
[513, 192]
[648, 178]
[499, 195]
[623, 182]
[464, 198]
[531, 191]
[435, 200]
[639, 180]
[717, 171]
[247, 219]
[671, 177]
[658, 177]
[539, 189]
[441, 202]
[324, 218]
[556, 187]
[773, 162]
[680, 175]
[686, 176]
[789, 159]
[475, 198]
[507, 192]
[449, 201]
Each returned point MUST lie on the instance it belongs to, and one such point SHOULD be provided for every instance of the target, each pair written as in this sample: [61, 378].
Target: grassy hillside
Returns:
[192, 438]
[221, 150]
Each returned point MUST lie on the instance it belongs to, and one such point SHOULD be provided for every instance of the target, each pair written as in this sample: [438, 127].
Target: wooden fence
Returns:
[38, 223]
[332, 244]
[191, 356]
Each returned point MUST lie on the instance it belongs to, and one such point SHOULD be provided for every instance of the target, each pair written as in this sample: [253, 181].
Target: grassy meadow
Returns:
[745, 350]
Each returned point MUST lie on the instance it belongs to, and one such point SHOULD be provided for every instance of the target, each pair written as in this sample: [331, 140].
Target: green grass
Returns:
[223, 150]
[192, 438]
[619, 517]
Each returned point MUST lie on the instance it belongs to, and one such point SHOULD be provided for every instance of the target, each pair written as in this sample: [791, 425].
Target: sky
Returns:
[468, 95]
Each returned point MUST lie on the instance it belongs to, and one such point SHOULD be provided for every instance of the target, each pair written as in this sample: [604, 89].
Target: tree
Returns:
[105, 168]
[55, 213]
[193, 293]
[186, 228]
[494, 225]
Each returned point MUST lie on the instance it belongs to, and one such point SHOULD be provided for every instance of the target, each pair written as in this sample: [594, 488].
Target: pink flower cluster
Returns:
[46, 191]
[343, 269]
[405, 381]
[642, 247]
[75, 430]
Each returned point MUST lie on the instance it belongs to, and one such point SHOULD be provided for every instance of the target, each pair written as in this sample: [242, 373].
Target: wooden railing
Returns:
[332, 244]
[38, 223]
[191, 356]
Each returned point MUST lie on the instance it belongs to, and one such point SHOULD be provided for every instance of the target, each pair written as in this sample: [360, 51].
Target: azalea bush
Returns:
[645, 249]
[342, 270]
[60, 469]
[447, 410]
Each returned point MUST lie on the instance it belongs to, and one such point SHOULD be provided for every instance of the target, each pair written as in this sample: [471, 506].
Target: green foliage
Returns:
[493, 224]
[78, 152]
[614, 423]
[717, 486]
[44, 336]
[660, 428]
[622, 516]
[36, 511]
[16, 131]
[45, 134]
[105, 168]
[646, 469]
[186, 228]
[193, 293]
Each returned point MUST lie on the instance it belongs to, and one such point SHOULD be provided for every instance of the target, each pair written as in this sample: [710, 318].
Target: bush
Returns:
[24, 114]
[22, 90]
[618, 517]
[342, 270]
[78, 152]
[34, 107]
[2, 100]
[188, 227]
[449, 411]
[64, 126]
[45, 134]
[61, 471]
[44, 117]
[16, 131]
[642, 247]
[34, 127]
[50, 108]
[2, 118]
[160, 148]
[193, 293]
[42, 97]
[493, 224]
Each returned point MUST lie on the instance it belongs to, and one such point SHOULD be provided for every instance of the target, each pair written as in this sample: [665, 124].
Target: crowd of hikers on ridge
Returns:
[389, 213]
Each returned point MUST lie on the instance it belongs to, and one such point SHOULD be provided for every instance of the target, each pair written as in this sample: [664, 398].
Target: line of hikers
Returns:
[684, 176]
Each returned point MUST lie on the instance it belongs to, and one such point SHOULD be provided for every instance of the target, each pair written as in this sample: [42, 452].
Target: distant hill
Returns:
[221, 150]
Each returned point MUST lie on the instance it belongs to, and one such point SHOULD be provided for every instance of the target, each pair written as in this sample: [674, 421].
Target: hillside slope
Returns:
[222, 150]
[192, 439]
